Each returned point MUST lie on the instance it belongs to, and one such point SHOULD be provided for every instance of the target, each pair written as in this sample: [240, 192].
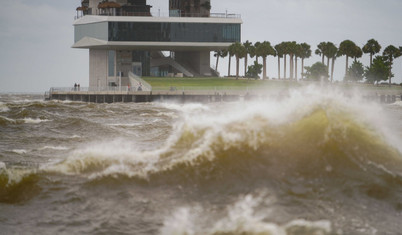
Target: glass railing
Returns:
[159, 14]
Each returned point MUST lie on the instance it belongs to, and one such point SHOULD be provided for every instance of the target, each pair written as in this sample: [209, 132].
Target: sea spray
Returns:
[306, 126]
[4, 107]
[249, 214]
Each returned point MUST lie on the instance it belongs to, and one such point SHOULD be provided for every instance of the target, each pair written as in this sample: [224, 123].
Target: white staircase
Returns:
[173, 63]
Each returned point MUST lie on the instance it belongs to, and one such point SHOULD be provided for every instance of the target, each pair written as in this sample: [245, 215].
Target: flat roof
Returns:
[93, 43]
[88, 19]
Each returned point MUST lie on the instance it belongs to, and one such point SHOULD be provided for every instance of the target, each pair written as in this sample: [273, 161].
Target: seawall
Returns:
[190, 96]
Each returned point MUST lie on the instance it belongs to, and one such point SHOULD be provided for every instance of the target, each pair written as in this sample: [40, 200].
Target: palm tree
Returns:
[347, 48]
[321, 50]
[279, 53]
[332, 53]
[291, 49]
[372, 47]
[252, 51]
[264, 50]
[220, 53]
[358, 53]
[285, 50]
[256, 45]
[248, 46]
[328, 46]
[230, 54]
[298, 53]
[391, 53]
[217, 54]
[305, 53]
[239, 51]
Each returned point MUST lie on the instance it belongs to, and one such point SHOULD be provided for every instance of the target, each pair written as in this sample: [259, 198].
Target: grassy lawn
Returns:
[165, 83]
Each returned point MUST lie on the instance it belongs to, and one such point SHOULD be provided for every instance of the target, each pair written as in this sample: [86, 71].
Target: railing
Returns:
[157, 90]
[160, 14]
[91, 89]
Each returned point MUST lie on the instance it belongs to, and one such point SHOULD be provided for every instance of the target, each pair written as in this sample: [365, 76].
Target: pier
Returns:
[125, 95]
[141, 97]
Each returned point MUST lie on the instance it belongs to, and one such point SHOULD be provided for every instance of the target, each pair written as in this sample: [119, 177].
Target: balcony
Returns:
[81, 12]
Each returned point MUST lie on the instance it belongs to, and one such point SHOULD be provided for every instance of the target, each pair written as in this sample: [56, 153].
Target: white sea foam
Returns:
[248, 215]
[187, 108]
[398, 104]
[34, 120]
[14, 175]
[116, 157]
[180, 222]
[8, 119]
[125, 124]
[3, 108]
[54, 148]
[19, 151]
[27, 101]
[167, 114]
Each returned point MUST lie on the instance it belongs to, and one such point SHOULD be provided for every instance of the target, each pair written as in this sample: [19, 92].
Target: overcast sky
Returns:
[36, 36]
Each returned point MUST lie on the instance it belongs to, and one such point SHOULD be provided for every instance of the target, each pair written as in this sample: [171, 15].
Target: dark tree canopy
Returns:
[355, 72]
[391, 52]
[306, 51]
[317, 72]
[380, 70]
[347, 48]
[254, 71]
[372, 47]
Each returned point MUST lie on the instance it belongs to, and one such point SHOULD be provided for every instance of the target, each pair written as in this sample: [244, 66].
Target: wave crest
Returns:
[318, 135]
[17, 185]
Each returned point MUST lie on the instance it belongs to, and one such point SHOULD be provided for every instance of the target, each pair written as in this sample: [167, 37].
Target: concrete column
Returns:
[98, 68]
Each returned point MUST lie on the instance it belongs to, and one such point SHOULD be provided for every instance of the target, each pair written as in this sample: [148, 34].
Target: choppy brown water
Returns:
[313, 163]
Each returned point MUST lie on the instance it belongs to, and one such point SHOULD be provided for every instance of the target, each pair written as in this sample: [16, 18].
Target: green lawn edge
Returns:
[211, 83]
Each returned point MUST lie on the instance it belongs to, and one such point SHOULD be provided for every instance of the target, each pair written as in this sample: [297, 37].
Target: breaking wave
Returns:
[4, 121]
[309, 134]
[307, 141]
[17, 185]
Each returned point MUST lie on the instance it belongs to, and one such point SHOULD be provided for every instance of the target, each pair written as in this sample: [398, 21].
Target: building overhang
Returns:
[89, 19]
[93, 43]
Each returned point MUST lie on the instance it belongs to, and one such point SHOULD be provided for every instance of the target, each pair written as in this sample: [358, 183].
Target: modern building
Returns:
[124, 37]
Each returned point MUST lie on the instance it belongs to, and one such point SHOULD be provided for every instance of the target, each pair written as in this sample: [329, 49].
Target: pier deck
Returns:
[201, 96]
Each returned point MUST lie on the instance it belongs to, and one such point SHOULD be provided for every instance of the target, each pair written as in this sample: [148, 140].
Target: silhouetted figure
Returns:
[139, 87]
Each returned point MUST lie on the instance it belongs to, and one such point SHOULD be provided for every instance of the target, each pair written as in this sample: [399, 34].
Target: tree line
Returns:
[380, 68]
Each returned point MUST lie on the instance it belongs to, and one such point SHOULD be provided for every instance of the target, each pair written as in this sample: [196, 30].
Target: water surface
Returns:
[314, 162]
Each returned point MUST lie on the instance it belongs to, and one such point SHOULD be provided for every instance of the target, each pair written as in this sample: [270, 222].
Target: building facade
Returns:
[124, 37]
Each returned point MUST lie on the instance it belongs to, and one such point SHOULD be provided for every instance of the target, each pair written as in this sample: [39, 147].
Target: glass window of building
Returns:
[111, 63]
[173, 32]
